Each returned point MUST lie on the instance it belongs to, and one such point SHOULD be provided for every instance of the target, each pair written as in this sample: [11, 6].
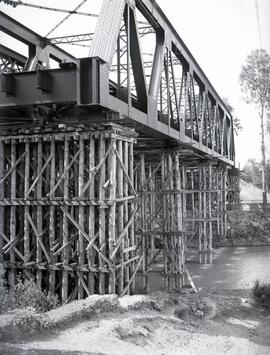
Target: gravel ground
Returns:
[214, 322]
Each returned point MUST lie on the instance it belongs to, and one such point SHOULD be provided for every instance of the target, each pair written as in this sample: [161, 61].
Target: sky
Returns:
[219, 33]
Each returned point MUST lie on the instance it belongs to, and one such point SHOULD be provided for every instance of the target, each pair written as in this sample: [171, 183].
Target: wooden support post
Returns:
[120, 215]
[39, 210]
[126, 217]
[200, 214]
[2, 195]
[171, 215]
[131, 211]
[210, 243]
[91, 218]
[225, 192]
[65, 231]
[184, 209]
[218, 187]
[12, 273]
[26, 208]
[165, 220]
[102, 236]
[143, 223]
[205, 232]
[52, 218]
[81, 246]
[112, 214]
[151, 210]
[193, 199]
[222, 201]
[179, 216]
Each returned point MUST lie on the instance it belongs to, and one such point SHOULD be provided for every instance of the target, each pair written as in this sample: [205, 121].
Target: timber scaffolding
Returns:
[83, 212]
[113, 164]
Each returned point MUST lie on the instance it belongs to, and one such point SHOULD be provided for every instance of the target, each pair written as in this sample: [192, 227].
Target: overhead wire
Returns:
[41, 7]
[65, 18]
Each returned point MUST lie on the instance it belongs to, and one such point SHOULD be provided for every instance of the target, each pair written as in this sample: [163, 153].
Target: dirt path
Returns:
[227, 324]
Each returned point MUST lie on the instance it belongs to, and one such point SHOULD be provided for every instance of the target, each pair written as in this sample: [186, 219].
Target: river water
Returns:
[233, 268]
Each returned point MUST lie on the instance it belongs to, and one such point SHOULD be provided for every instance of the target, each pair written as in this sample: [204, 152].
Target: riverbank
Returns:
[213, 322]
[246, 228]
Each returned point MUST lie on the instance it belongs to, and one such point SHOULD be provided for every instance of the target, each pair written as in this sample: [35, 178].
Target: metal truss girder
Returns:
[172, 36]
[32, 39]
[12, 55]
[192, 111]
[136, 59]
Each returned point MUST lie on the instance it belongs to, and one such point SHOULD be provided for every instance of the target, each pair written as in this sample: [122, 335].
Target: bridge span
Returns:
[112, 161]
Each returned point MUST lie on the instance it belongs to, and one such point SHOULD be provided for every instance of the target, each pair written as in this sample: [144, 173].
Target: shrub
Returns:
[261, 294]
[26, 294]
[5, 302]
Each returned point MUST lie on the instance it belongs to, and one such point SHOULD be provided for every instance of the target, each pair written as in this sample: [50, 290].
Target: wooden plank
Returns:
[63, 174]
[14, 248]
[76, 224]
[38, 239]
[39, 176]
[191, 281]
[97, 168]
[119, 158]
[132, 276]
[14, 164]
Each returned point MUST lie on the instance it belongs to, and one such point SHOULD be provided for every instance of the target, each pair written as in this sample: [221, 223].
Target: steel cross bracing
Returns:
[164, 93]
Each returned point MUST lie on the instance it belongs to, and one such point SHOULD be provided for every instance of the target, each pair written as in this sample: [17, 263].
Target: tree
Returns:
[252, 173]
[255, 83]
[237, 127]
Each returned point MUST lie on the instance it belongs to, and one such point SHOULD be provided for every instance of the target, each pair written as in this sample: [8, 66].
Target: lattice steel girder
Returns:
[92, 84]
[10, 54]
[35, 42]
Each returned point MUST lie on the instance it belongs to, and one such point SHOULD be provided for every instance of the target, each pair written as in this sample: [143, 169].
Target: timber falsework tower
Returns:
[112, 163]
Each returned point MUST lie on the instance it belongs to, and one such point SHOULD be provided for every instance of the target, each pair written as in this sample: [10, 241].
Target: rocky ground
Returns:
[213, 322]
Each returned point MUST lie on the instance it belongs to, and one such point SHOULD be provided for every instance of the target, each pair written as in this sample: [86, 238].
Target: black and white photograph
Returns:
[134, 177]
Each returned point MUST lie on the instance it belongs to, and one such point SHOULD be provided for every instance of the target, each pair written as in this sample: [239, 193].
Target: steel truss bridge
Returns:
[111, 161]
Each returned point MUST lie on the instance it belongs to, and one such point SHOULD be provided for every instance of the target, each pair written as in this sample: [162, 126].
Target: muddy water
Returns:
[233, 268]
